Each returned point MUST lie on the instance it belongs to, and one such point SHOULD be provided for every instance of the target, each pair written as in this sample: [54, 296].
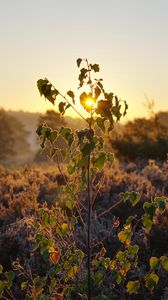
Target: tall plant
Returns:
[86, 149]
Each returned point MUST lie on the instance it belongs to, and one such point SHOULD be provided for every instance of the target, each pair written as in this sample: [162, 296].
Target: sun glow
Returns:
[90, 102]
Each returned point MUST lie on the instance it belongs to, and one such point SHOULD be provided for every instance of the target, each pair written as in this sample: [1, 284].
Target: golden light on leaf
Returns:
[54, 254]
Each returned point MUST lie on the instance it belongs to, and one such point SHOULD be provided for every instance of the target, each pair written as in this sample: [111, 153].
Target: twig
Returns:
[109, 209]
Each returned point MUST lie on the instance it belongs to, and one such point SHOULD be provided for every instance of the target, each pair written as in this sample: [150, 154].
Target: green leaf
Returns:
[133, 250]
[72, 272]
[70, 169]
[10, 277]
[98, 277]
[53, 136]
[64, 228]
[67, 134]
[39, 130]
[23, 285]
[1, 269]
[2, 286]
[133, 287]
[45, 219]
[78, 61]
[154, 263]
[125, 235]
[110, 157]
[129, 220]
[150, 208]
[161, 202]
[87, 148]
[164, 262]
[41, 212]
[52, 221]
[125, 195]
[100, 123]
[100, 160]
[134, 198]
[147, 222]
[151, 280]
[69, 204]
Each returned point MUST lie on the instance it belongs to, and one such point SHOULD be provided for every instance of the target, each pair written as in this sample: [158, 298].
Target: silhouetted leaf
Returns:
[72, 96]
[125, 109]
[97, 92]
[78, 61]
[95, 67]
[61, 107]
[67, 134]
[47, 90]
[100, 123]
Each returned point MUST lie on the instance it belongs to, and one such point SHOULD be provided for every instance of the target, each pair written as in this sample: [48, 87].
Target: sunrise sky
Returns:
[128, 38]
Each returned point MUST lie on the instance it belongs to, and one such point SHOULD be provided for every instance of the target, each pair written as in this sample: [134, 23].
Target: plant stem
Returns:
[89, 218]
[89, 229]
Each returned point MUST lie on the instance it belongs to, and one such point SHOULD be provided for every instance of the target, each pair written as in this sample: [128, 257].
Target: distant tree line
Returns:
[142, 139]
[13, 136]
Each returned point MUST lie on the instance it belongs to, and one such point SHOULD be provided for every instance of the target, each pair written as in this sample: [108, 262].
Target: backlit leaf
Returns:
[151, 280]
[154, 262]
[164, 262]
[69, 204]
[100, 160]
[133, 287]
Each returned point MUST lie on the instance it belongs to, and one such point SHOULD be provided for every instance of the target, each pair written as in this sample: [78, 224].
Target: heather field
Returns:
[26, 193]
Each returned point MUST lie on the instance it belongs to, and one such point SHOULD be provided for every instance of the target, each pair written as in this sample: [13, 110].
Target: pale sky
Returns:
[128, 38]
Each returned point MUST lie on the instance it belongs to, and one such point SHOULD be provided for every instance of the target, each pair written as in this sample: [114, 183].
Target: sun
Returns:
[89, 102]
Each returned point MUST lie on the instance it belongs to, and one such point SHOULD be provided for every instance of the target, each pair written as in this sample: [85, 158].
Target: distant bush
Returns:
[142, 138]
[13, 136]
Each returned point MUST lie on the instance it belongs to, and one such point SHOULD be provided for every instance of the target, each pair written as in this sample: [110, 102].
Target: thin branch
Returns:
[106, 211]
[69, 103]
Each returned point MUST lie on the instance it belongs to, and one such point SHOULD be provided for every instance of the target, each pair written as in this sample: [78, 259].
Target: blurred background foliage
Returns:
[141, 138]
